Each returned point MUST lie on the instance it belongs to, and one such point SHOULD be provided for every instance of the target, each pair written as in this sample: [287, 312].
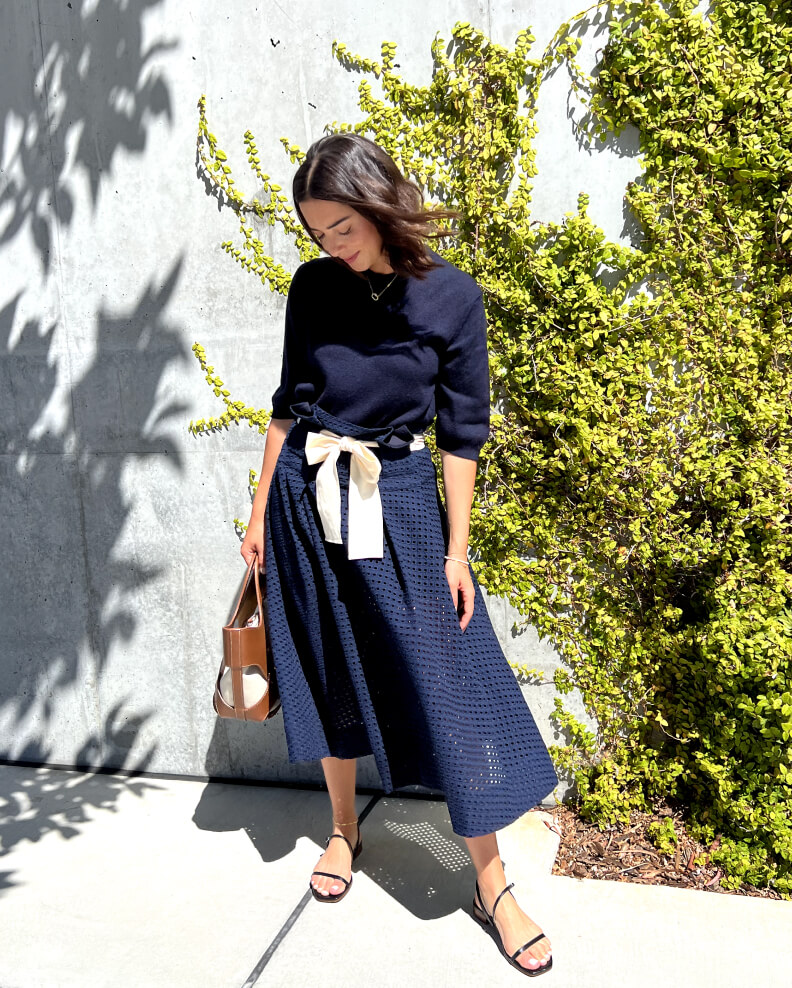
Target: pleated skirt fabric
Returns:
[369, 655]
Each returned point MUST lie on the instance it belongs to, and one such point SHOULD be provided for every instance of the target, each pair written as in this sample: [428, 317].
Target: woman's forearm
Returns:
[276, 433]
[459, 479]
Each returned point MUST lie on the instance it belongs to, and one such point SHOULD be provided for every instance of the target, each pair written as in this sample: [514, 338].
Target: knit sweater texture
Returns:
[417, 353]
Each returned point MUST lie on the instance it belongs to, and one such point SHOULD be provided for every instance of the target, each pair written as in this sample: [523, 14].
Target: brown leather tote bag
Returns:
[245, 688]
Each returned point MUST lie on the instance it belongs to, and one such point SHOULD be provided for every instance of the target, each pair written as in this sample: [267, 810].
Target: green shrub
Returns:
[633, 499]
[663, 835]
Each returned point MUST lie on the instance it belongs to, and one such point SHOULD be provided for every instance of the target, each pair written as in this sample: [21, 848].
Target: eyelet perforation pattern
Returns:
[370, 657]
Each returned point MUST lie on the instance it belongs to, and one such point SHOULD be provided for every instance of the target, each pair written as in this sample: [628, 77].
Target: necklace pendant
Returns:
[376, 295]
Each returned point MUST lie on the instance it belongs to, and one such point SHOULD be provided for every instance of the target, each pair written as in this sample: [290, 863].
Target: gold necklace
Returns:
[376, 295]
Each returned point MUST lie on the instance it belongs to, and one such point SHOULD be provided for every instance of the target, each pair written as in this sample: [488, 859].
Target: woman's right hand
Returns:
[253, 542]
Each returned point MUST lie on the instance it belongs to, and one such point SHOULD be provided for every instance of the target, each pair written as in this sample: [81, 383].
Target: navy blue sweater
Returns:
[417, 352]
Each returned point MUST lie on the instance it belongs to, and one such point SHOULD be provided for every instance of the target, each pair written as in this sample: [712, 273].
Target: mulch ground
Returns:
[626, 854]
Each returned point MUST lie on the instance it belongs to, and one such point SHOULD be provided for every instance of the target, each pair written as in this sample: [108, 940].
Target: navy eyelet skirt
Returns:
[369, 655]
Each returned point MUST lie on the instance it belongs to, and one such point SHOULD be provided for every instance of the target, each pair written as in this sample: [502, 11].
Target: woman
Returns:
[381, 641]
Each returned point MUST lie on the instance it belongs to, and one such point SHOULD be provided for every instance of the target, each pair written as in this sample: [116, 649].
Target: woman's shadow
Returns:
[409, 848]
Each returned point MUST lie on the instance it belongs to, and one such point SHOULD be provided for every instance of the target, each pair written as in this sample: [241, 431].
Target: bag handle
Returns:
[252, 565]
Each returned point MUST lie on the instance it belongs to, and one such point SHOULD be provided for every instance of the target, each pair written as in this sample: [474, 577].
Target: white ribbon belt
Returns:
[365, 507]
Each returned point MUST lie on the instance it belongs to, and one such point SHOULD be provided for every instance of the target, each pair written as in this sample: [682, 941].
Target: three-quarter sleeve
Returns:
[462, 392]
[293, 367]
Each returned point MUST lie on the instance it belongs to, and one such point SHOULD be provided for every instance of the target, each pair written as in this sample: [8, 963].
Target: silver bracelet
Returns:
[457, 560]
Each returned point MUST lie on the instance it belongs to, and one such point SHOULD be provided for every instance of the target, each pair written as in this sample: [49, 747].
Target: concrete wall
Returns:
[119, 556]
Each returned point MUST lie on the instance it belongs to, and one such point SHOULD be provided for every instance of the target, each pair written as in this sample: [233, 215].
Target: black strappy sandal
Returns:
[336, 897]
[486, 919]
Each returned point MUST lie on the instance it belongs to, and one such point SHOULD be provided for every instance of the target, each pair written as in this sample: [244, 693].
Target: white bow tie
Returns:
[365, 540]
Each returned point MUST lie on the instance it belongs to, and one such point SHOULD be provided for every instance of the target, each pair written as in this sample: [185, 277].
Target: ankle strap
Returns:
[495, 904]
[327, 842]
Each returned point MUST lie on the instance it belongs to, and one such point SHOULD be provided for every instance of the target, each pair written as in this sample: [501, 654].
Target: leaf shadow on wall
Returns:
[627, 143]
[68, 582]
[77, 87]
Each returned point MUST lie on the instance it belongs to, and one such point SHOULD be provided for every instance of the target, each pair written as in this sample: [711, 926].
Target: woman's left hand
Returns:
[460, 583]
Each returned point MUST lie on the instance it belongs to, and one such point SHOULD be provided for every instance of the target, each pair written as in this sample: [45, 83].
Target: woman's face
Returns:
[344, 233]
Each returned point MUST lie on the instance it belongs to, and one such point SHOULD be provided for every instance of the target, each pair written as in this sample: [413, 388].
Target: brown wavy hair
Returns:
[353, 170]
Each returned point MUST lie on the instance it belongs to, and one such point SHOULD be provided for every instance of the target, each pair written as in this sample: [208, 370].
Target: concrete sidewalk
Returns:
[142, 883]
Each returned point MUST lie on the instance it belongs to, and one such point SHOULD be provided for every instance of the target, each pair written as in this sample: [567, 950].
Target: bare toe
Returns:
[533, 960]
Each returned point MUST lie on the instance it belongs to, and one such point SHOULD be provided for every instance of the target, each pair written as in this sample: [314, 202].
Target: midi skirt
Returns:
[368, 653]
